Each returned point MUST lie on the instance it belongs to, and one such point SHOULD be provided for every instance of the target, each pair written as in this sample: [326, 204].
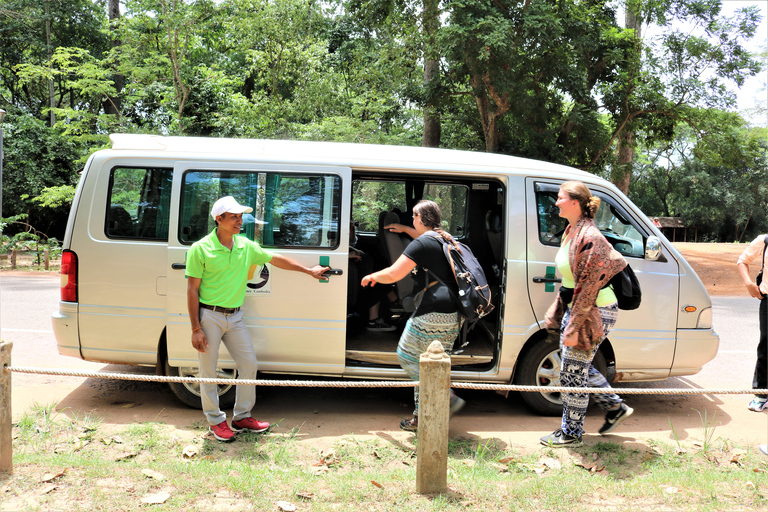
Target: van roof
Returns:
[359, 156]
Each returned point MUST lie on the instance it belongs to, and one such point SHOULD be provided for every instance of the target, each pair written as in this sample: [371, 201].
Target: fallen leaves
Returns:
[327, 461]
[126, 456]
[593, 465]
[50, 477]
[154, 475]
[286, 506]
[156, 498]
[189, 451]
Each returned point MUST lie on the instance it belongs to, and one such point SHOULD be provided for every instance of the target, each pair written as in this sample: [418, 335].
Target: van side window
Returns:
[612, 221]
[300, 210]
[370, 198]
[138, 204]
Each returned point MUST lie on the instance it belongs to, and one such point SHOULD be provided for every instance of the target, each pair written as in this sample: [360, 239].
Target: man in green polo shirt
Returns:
[217, 273]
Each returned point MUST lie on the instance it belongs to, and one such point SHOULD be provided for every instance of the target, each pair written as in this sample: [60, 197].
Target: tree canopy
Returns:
[639, 91]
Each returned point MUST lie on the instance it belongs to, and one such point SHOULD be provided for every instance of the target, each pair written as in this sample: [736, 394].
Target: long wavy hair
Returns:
[433, 219]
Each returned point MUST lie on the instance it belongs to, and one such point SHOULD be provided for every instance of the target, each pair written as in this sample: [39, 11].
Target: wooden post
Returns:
[434, 397]
[13, 258]
[46, 257]
[6, 413]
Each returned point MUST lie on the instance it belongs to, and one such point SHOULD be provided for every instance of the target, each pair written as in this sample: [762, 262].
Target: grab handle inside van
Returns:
[178, 266]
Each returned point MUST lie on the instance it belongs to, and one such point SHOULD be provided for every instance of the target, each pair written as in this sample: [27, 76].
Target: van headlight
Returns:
[705, 319]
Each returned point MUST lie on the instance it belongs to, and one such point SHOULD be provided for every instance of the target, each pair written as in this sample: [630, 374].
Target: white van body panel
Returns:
[122, 293]
[132, 293]
[298, 316]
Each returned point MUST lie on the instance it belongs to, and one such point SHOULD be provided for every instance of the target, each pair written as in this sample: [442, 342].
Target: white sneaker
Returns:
[757, 404]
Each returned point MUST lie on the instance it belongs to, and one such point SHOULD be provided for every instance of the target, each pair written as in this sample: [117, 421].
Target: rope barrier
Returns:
[380, 384]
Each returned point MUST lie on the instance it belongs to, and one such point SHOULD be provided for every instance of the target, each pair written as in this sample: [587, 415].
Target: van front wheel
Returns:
[540, 366]
[189, 392]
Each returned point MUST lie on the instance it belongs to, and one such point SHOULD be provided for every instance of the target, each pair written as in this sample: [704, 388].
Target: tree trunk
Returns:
[432, 125]
[625, 149]
[486, 116]
[625, 152]
[51, 95]
[113, 105]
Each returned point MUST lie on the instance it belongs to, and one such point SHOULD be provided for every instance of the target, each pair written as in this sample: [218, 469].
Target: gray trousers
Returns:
[230, 330]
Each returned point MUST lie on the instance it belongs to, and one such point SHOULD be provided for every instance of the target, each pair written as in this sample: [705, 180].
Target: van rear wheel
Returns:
[540, 366]
[189, 392]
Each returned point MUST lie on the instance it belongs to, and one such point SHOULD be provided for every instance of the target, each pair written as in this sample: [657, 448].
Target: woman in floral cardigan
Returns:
[583, 313]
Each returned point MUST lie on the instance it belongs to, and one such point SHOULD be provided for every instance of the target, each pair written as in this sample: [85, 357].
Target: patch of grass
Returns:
[80, 472]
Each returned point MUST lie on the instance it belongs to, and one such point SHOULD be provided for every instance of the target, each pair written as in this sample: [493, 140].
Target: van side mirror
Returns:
[652, 248]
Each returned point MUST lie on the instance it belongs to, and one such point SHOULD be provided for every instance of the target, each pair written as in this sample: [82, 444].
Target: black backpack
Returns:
[626, 288]
[474, 297]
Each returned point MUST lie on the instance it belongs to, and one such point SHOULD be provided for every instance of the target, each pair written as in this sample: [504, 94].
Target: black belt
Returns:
[219, 309]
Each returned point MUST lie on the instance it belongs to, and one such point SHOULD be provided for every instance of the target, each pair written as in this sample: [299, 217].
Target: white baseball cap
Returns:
[228, 204]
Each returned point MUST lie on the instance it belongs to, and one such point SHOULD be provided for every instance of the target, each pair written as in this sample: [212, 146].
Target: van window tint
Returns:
[370, 198]
[138, 205]
[301, 210]
[611, 220]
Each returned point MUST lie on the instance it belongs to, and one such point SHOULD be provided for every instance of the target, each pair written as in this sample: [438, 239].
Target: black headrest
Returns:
[492, 222]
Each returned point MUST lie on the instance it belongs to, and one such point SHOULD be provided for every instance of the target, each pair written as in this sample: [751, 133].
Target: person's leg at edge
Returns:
[418, 334]
[214, 325]
[606, 401]
[240, 347]
[574, 373]
[760, 377]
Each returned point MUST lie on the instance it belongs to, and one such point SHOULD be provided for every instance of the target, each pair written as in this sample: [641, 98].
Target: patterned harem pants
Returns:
[577, 371]
[419, 333]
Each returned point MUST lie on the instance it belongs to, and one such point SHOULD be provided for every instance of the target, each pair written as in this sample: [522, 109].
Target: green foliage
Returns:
[557, 81]
[717, 184]
[56, 197]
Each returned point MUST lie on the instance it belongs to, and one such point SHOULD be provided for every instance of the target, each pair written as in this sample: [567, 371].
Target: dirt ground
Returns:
[716, 266]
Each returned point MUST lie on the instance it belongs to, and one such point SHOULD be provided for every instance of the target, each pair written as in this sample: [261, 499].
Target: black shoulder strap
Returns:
[765, 246]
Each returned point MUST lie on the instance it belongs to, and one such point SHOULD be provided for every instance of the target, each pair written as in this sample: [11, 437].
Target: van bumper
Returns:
[695, 348]
[65, 329]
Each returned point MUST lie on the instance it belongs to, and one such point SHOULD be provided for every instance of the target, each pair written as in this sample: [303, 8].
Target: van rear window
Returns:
[138, 204]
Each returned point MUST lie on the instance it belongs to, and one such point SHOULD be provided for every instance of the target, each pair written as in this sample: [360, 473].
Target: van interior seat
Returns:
[393, 245]
[493, 227]
[119, 222]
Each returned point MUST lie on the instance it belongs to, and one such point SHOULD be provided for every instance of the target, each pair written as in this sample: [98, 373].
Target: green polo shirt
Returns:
[224, 273]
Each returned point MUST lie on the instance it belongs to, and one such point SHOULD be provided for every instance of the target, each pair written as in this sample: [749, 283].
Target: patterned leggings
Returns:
[420, 332]
[577, 371]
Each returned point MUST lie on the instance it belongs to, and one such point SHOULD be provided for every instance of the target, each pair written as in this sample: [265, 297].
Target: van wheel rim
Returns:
[194, 388]
[548, 375]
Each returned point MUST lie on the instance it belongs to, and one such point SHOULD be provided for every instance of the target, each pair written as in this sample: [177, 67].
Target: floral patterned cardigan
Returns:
[593, 262]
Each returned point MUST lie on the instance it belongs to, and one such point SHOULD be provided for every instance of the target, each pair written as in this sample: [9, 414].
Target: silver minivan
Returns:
[141, 204]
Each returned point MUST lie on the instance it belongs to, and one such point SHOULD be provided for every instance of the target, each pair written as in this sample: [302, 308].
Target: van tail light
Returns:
[68, 276]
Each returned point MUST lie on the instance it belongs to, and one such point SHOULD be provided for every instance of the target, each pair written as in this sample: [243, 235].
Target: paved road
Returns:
[27, 301]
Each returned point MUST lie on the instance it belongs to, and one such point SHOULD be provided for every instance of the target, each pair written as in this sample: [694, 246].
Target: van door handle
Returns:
[333, 272]
[178, 266]
[547, 280]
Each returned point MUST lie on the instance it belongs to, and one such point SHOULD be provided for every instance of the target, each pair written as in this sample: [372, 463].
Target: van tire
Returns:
[534, 370]
[189, 393]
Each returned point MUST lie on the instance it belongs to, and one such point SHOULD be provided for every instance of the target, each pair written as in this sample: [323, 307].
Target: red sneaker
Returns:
[222, 432]
[249, 424]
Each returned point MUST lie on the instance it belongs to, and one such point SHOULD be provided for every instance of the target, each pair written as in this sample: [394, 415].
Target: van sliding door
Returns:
[297, 324]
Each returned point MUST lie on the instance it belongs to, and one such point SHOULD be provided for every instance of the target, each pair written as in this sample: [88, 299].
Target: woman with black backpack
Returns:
[436, 316]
